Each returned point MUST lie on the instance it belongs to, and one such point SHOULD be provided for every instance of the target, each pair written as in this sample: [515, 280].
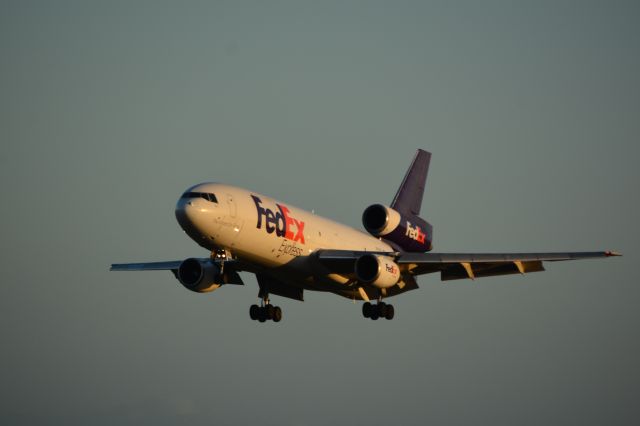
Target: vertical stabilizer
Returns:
[408, 199]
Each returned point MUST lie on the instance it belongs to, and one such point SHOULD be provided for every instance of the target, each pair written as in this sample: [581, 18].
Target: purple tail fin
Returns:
[408, 199]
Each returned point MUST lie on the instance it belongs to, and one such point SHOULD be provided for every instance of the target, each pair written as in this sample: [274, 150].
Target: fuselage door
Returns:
[233, 209]
[234, 221]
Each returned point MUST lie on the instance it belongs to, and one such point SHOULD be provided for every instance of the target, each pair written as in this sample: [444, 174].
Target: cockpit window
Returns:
[206, 195]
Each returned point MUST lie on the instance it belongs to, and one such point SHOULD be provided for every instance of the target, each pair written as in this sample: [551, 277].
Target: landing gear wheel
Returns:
[375, 312]
[390, 312]
[270, 310]
[277, 314]
[265, 311]
[263, 315]
[254, 312]
[382, 309]
[366, 310]
[379, 310]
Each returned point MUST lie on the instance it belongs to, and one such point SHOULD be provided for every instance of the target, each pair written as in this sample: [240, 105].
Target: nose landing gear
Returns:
[379, 310]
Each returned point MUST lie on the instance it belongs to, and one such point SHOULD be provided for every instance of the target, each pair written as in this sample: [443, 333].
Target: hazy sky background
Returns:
[109, 110]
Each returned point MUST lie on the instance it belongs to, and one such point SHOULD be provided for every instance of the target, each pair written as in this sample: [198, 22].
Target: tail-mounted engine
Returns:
[199, 275]
[410, 233]
[379, 271]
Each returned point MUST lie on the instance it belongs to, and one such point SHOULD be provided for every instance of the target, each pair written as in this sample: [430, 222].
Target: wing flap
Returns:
[456, 271]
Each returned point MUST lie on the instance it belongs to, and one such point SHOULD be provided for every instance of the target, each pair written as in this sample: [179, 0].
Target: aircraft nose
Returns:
[186, 212]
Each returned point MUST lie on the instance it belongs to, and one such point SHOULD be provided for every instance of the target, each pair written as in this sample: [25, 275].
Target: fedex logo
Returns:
[391, 268]
[279, 222]
[415, 233]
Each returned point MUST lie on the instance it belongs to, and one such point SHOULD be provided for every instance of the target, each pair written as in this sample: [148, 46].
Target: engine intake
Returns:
[410, 233]
[379, 271]
[199, 276]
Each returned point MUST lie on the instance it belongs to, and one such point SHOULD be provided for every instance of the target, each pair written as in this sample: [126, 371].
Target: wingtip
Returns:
[612, 253]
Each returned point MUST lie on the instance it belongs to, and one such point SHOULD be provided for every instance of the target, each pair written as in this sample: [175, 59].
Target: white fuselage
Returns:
[264, 232]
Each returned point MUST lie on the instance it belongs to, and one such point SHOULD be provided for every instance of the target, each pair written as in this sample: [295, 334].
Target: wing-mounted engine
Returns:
[201, 276]
[410, 233]
[379, 271]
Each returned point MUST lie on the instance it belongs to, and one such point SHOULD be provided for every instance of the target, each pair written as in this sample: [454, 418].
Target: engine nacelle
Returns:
[199, 276]
[379, 271]
[412, 234]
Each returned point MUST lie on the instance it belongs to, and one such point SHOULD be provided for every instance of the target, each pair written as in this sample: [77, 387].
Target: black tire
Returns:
[390, 312]
[375, 313]
[270, 311]
[254, 312]
[262, 317]
[366, 310]
[277, 314]
[382, 309]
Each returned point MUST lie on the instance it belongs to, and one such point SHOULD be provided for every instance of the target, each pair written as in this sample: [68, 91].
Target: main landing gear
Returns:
[266, 311]
[379, 310]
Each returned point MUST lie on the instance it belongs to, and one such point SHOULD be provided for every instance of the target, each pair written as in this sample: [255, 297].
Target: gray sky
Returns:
[109, 110]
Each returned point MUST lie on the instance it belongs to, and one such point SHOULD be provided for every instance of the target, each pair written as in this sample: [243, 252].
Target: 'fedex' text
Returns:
[279, 222]
[415, 233]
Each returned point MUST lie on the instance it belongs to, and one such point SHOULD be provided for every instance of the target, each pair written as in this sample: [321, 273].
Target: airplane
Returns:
[291, 251]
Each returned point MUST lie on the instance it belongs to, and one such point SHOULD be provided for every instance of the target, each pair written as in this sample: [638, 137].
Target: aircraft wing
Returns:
[229, 276]
[170, 265]
[454, 266]
[149, 266]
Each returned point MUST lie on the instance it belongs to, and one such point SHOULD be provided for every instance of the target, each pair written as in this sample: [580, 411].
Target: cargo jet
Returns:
[291, 250]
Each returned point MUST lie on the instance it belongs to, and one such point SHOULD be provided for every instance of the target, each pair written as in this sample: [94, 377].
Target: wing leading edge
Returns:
[149, 266]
